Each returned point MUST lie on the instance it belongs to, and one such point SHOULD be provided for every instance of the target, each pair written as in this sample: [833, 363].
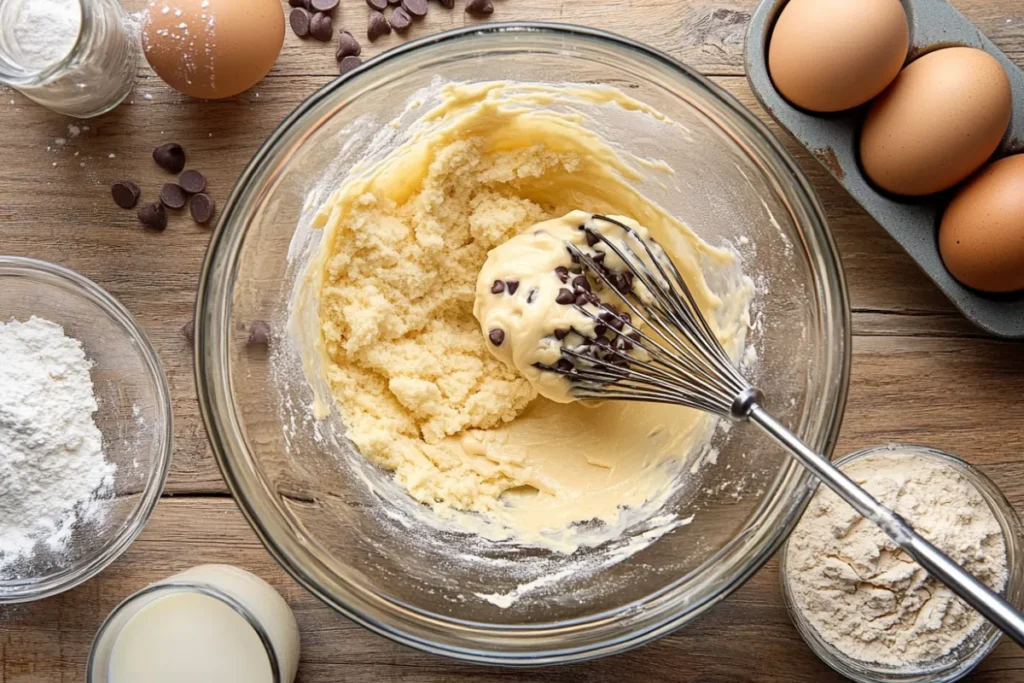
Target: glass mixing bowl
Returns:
[134, 417]
[338, 525]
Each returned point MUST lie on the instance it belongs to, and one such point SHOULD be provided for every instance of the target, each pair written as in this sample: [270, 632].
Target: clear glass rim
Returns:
[26, 590]
[171, 588]
[31, 78]
[869, 672]
[398, 621]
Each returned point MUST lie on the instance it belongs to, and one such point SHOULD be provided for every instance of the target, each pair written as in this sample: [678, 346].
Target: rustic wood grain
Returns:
[921, 373]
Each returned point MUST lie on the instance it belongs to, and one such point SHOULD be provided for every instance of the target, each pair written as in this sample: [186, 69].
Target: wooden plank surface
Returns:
[920, 372]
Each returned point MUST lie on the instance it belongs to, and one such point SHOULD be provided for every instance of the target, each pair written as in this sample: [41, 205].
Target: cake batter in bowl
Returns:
[335, 500]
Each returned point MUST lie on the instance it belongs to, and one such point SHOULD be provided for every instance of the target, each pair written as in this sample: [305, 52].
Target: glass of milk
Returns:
[210, 624]
[76, 57]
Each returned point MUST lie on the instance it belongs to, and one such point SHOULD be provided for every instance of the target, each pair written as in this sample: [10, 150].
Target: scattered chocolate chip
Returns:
[634, 337]
[416, 8]
[578, 270]
[447, 4]
[563, 273]
[600, 328]
[513, 286]
[192, 182]
[564, 365]
[259, 332]
[348, 63]
[498, 287]
[172, 196]
[299, 19]
[170, 157]
[592, 238]
[394, 2]
[323, 5]
[582, 299]
[378, 26]
[321, 27]
[532, 296]
[297, 3]
[480, 8]
[202, 207]
[153, 216]
[188, 330]
[616, 324]
[497, 337]
[598, 257]
[603, 341]
[379, 5]
[401, 20]
[565, 297]
[580, 282]
[348, 46]
[125, 193]
[561, 334]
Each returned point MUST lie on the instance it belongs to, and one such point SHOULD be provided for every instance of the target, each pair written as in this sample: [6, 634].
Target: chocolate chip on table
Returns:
[202, 207]
[170, 157]
[188, 330]
[321, 26]
[348, 46]
[513, 286]
[259, 333]
[400, 19]
[416, 8]
[299, 19]
[480, 8]
[565, 297]
[378, 26]
[323, 5]
[498, 287]
[173, 196]
[497, 337]
[192, 182]
[379, 5]
[153, 216]
[563, 273]
[125, 193]
[581, 282]
[348, 63]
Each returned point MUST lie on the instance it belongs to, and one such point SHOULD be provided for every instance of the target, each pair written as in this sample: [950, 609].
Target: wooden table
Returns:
[920, 372]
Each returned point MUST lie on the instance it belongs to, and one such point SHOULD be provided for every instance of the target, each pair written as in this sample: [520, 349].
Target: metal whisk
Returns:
[683, 363]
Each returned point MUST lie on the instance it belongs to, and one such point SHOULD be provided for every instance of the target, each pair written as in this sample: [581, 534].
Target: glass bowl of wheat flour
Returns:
[864, 606]
[85, 429]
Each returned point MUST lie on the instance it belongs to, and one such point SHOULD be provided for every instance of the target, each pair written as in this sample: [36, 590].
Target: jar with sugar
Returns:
[76, 57]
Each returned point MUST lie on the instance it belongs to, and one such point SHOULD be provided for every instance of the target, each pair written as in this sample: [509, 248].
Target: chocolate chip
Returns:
[598, 257]
[188, 330]
[378, 26]
[565, 297]
[626, 317]
[400, 19]
[532, 296]
[297, 3]
[348, 46]
[603, 341]
[563, 365]
[321, 27]
[582, 299]
[153, 216]
[561, 334]
[563, 273]
[170, 157]
[125, 193]
[324, 5]
[513, 286]
[299, 19]
[497, 337]
[592, 238]
[447, 4]
[498, 287]
[581, 282]
[394, 2]
[600, 328]
[616, 324]
[379, 5]
[192, 182]
[416, 8]
[480, 8]
[202, 207]
[172, 196]
[259, 332]
[348, 63]
[577, 270]
[572, 255]
[634, 337]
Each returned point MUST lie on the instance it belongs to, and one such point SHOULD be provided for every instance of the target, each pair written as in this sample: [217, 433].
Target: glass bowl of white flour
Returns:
[864, 606]
[85, 429]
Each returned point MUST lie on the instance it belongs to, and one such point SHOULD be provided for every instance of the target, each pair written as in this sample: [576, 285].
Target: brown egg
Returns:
[831, 55]
[212, 48]
[981, 237]
[938, 122]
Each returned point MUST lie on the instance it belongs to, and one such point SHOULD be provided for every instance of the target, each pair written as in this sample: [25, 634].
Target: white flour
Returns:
[863, 594]
[44, 31]
[52, 468]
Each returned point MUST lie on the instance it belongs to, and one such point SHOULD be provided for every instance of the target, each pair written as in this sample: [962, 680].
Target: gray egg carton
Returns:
[832, 139]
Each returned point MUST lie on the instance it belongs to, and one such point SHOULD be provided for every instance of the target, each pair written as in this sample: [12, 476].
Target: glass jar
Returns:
[76, 57]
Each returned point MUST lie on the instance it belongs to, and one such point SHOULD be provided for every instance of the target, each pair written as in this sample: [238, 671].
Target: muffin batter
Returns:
[395, 282]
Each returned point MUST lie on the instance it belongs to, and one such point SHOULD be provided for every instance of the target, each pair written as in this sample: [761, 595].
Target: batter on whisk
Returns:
[464, 425]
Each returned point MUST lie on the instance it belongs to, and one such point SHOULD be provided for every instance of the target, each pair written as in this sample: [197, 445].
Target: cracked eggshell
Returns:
[212, 49]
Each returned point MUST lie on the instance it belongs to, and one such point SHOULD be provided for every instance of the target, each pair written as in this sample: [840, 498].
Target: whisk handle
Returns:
[976, 594]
